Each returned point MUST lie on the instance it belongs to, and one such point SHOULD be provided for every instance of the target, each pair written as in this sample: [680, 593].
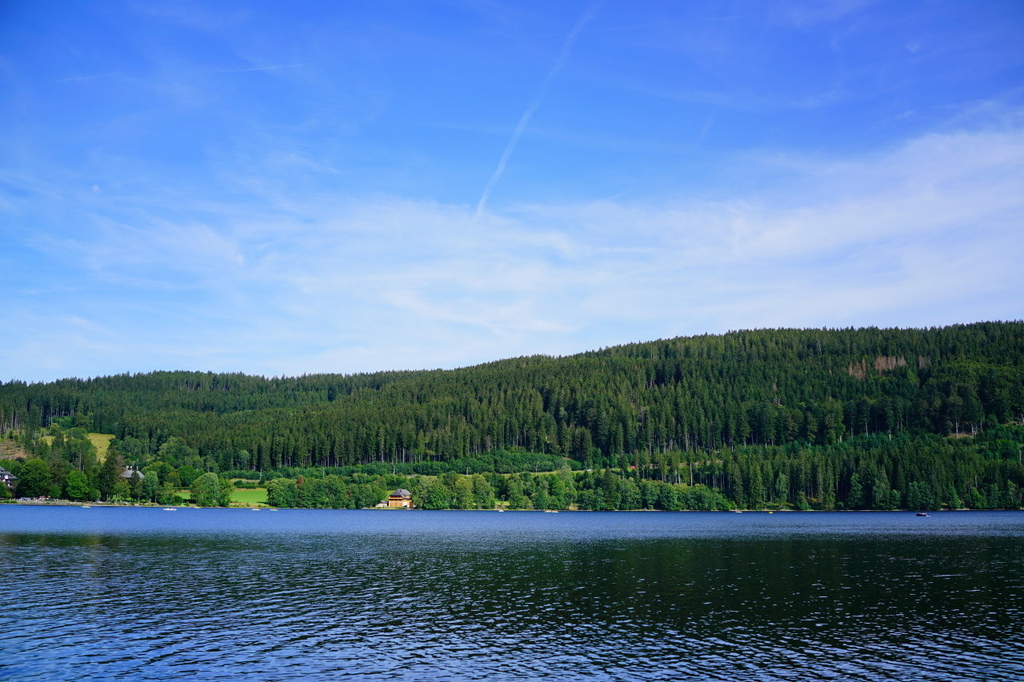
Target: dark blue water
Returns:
[146, 594]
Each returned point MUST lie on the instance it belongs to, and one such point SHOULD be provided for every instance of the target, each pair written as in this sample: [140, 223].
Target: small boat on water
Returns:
[170, 509]
[922, 514]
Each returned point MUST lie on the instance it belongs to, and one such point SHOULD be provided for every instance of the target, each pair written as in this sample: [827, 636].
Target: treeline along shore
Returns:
[786, 418]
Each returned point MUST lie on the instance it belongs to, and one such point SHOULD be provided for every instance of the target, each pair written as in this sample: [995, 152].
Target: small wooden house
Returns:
[400, 499]
[8, 479]
[131, 472]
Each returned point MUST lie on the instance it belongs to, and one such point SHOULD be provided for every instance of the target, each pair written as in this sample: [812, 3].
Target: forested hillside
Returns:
[732, 412]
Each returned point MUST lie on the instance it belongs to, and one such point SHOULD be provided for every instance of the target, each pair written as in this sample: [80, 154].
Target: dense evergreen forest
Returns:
[853, 418]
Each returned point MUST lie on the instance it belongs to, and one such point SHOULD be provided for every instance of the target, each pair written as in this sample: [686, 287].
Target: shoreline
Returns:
[257, 507]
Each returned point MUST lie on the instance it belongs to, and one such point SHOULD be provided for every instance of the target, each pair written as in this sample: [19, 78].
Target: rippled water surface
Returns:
[146, 594]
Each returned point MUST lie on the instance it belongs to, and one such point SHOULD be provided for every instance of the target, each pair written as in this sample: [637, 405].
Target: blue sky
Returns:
[305, 187]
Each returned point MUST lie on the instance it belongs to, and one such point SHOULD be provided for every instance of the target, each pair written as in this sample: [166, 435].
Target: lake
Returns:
[148, 594]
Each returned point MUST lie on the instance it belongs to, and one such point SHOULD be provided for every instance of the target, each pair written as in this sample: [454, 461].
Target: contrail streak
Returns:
[563, 57]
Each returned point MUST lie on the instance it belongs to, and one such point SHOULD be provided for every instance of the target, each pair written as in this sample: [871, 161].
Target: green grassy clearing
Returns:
[101, 441]
[239, 496]
[249, 496]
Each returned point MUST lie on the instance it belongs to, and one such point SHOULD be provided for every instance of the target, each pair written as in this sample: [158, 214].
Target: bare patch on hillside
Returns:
[883, 363]
[11, 450]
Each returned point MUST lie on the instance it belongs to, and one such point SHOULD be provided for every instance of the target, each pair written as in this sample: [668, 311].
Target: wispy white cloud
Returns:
[287, 283]
[248, 189]
[190, 14]
[269, 67]
[810, 13]
[524, 120]
[90, 77]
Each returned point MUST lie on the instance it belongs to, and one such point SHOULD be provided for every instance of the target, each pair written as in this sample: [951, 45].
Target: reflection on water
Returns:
[143, 594]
